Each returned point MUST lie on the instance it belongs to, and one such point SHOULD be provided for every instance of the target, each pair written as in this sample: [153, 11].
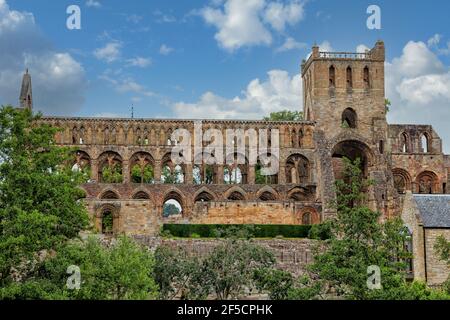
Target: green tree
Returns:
[359, 240]
[39, 194]
[112, 174]
[142, 175]
[285, 115]
[442, 246]
[387, 104]
[170, 209]
[174, 272]
[118, 272]
[230, 268]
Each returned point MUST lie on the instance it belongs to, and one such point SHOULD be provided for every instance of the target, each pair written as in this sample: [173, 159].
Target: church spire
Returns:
[26, 93]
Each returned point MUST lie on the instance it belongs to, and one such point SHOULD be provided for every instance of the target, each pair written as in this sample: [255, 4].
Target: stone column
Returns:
[189, 177]
[157, 171]
[94, 170]
[220, 174]
[282, 174]
[251, 175]
[126, 171]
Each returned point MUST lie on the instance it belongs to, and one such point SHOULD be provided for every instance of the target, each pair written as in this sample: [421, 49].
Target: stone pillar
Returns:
[282, 174]
[158, 171]
[220, 174]
[126, 171]
[251, 175]
[189, 176]
[94, 170]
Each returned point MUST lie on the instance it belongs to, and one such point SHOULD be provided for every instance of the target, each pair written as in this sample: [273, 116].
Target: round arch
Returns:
[204, 195]
[141, 195]
[267, 194]
[351, 149]
[109, 194]
[402, 180]
[235, 194]
[298, 169]
[427, 183]
[173, 201]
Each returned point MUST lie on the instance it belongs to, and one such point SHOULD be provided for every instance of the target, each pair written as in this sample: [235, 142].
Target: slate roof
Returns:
[434, 210]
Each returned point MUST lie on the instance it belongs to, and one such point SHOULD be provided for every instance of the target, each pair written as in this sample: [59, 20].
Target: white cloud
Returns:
[280, 91]
[139, 62]
[362, 48]
[246, 23]
[110, 52]
[291, 44]
[93, 4]
[58, 79]
[165, 50]
[239, 24]
[418, 85]
[434, 40]
[134, 18]
[326, 46]
[278, 15]
[123, 84]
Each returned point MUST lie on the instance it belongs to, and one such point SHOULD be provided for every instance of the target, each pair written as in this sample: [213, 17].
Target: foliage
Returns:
[358, 241]
[170, 209]
[285, 115]
[142, 174]
[122, 271]
[225, 273]
[39, 207]
[229, 269]
[321, 231]
[305, 289]
[276, 282]
[237, 231]
[443, 248]
[387, 104]
[112, 174]
[174, 271]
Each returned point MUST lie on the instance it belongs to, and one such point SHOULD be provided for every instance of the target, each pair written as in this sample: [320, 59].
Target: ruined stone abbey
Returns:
[344, 116]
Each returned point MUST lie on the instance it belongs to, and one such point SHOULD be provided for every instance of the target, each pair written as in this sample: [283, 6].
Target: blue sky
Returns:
[219, 58]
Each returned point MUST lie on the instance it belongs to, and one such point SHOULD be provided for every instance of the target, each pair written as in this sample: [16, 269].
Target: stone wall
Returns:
[411, 218]
[143, 217]
[437, 270]
[291, 255]
[254, 213]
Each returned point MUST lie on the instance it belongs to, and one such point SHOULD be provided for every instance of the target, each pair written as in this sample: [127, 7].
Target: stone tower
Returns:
[26, 93]
[344, 95]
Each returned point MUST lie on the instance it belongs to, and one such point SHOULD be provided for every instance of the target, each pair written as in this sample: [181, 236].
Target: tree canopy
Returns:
[285, 115]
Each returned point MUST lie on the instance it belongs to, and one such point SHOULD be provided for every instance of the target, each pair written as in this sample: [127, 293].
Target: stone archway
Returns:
[107, 218]
[352, 150]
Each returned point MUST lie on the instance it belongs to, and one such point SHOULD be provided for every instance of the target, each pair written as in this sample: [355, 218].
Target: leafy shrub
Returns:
[237, 231]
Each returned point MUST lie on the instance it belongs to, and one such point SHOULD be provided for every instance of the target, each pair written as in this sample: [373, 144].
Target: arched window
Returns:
[141, 195]
[349, 78]
[236, 196]
[424, 143]
[107, 222]
[307, 218]
[75, 135]
[297, 169]
[173, 205]
[366, 77]
[349, 118]
[404, 144]
[427, 182]
[332, 76]
[204, 197]
[267, 196]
